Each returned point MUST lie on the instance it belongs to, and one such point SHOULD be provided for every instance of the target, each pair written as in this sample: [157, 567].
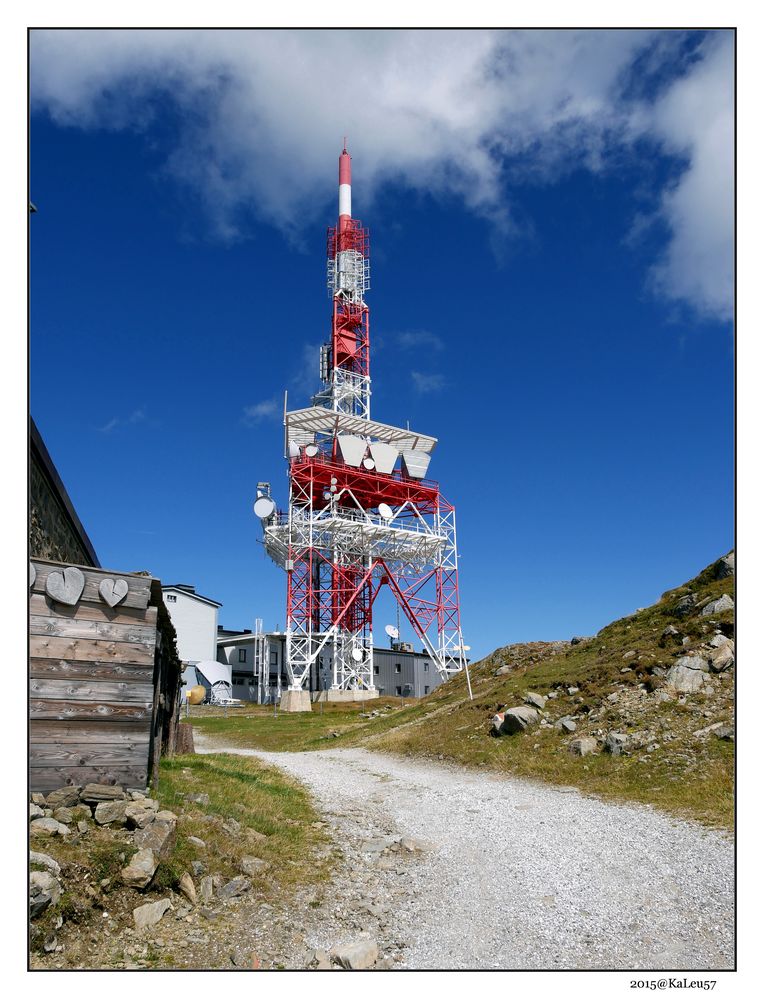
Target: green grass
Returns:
[686, 776]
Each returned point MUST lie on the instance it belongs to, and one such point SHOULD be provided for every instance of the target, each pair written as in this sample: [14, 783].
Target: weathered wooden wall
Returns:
[92, 682]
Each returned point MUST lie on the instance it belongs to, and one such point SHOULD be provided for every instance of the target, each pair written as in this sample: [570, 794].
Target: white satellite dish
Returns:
[368, 463]
[385, 512]
[391, 631]
[294, 449]
[465, 648]
[264, 507]
[311, 450]
[357, 654]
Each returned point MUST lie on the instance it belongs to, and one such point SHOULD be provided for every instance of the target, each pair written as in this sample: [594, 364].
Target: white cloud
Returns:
[418, 340]
[443, 112]
[425, 382]
[137, 416]
[266, 409]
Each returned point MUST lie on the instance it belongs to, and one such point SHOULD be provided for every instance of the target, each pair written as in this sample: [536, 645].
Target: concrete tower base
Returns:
[295, 700]
[328, 696]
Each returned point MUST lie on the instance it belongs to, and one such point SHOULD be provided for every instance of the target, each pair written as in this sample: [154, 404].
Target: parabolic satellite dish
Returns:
[391, 631]
[264, 507]
[311, 450]
[385, 511]
[357, 654]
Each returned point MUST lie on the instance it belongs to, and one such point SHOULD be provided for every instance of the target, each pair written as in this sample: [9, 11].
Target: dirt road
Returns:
[517, 875]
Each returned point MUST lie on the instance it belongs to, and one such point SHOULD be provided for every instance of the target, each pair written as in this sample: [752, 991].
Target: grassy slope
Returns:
[688, 775]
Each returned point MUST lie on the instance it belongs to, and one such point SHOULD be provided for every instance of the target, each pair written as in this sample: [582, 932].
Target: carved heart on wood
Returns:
[66, 587]
[32, 575]
[113, 591]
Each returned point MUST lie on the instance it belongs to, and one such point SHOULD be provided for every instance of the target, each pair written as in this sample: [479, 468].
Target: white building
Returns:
[196, 622]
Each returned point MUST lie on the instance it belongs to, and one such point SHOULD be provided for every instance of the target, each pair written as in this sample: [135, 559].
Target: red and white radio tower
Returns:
[362, 514]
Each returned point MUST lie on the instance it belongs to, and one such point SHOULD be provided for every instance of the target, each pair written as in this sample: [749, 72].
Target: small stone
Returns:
[612, 698]
[44, 890]
[149, 915]
[503, 671]
[319, 960]
[583, 746]
[519, 719]
[722, 658]
[37, 799]
[50, 944]
[186, 887]
[140, 870]
[65, 815]
[685, 605]
[157, 836]
[198, 867]
[199, 843]
[35, 812]
[234, 888]
[572, 691]
[137, 816]
[83, 827]
[565, 724]
[576, 640]
[630, 654]
[45, 861]
[198, 799]
[358, 955]
[252, 866]
[726, 732]
[207, 889]
[411, 845]
[536, 700]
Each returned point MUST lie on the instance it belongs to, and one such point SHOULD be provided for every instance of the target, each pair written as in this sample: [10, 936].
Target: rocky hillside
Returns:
[642, 711]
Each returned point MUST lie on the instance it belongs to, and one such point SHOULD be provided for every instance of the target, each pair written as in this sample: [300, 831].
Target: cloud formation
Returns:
[425, 381]
[137, 416]
[457, 113]
[266, 409]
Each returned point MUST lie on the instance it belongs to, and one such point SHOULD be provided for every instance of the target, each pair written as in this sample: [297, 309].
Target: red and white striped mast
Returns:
[361, 513]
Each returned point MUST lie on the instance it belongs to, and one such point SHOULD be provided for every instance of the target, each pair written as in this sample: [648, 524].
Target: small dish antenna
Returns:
[357, 654]
[368, 463]
[391, 631]
[385, 511]
[311, 450]
[264, 507]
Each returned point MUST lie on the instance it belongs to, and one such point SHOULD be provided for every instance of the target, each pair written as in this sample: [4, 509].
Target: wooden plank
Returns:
[66, 733]
[138, 591]
[68, 669]
[82, 711]
[90, 650]
[50, 778]
[61, 627]
[41, 605]
[51, 754]
[95, 691]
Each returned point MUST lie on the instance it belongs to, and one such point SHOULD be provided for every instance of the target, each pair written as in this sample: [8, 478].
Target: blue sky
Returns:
[551, 220]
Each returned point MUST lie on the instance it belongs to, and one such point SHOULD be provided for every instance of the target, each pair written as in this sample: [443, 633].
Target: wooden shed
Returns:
[96, 677]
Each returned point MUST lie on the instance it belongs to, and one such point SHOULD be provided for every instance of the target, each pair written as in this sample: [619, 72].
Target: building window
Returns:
[397, 667]
[376, 671]
[426, 667]
[242, 655]
[427, 690]
[171, 598]
[399, 691]
[274, 657]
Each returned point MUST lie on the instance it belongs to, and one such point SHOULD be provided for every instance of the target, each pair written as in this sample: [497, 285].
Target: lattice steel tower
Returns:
[361, 513]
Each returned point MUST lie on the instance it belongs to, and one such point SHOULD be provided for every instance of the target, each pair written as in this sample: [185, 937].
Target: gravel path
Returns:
[520, 875]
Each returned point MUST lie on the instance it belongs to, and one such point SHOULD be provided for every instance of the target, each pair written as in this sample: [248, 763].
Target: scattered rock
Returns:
[149, 915]
[565, 724]
[199, 843]
[583, 746]
[44, 890]
[158, 836]
[411, 845]
[724, 603]
[726, 732]
[503, 671]
[357, 955]
[37, 799]
[519, 719]
[35, 812]
[137, 816]
[198, 867]
[199, 799]
[93, 793]
[186, 887]
[630, 654]
[722, 658]
[44, 861]
[83, 827]
[572, 691]
[109, 812]
[685, 606]
[207, 888]
[48, 827]
[719, 640]
[536, 700]
[140, 870]
[64, 796]
[576, 640]
[243, 957]
[615, 743]
[252, 866]
[684, 678]
[612, 698]
[319, 960]
[234, 888]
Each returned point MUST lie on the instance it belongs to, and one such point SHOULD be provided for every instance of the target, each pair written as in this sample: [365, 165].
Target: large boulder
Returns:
[724, 603]
[615, 743]
[138, 817]
[358, 955]
[722, 658]
[519, 719]
[232, 889]
[186, 887]
[140, 870]
[725, 567]
[685, 606]
[685, 678]
[48, 827]
[44, 861]
[149, 915]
